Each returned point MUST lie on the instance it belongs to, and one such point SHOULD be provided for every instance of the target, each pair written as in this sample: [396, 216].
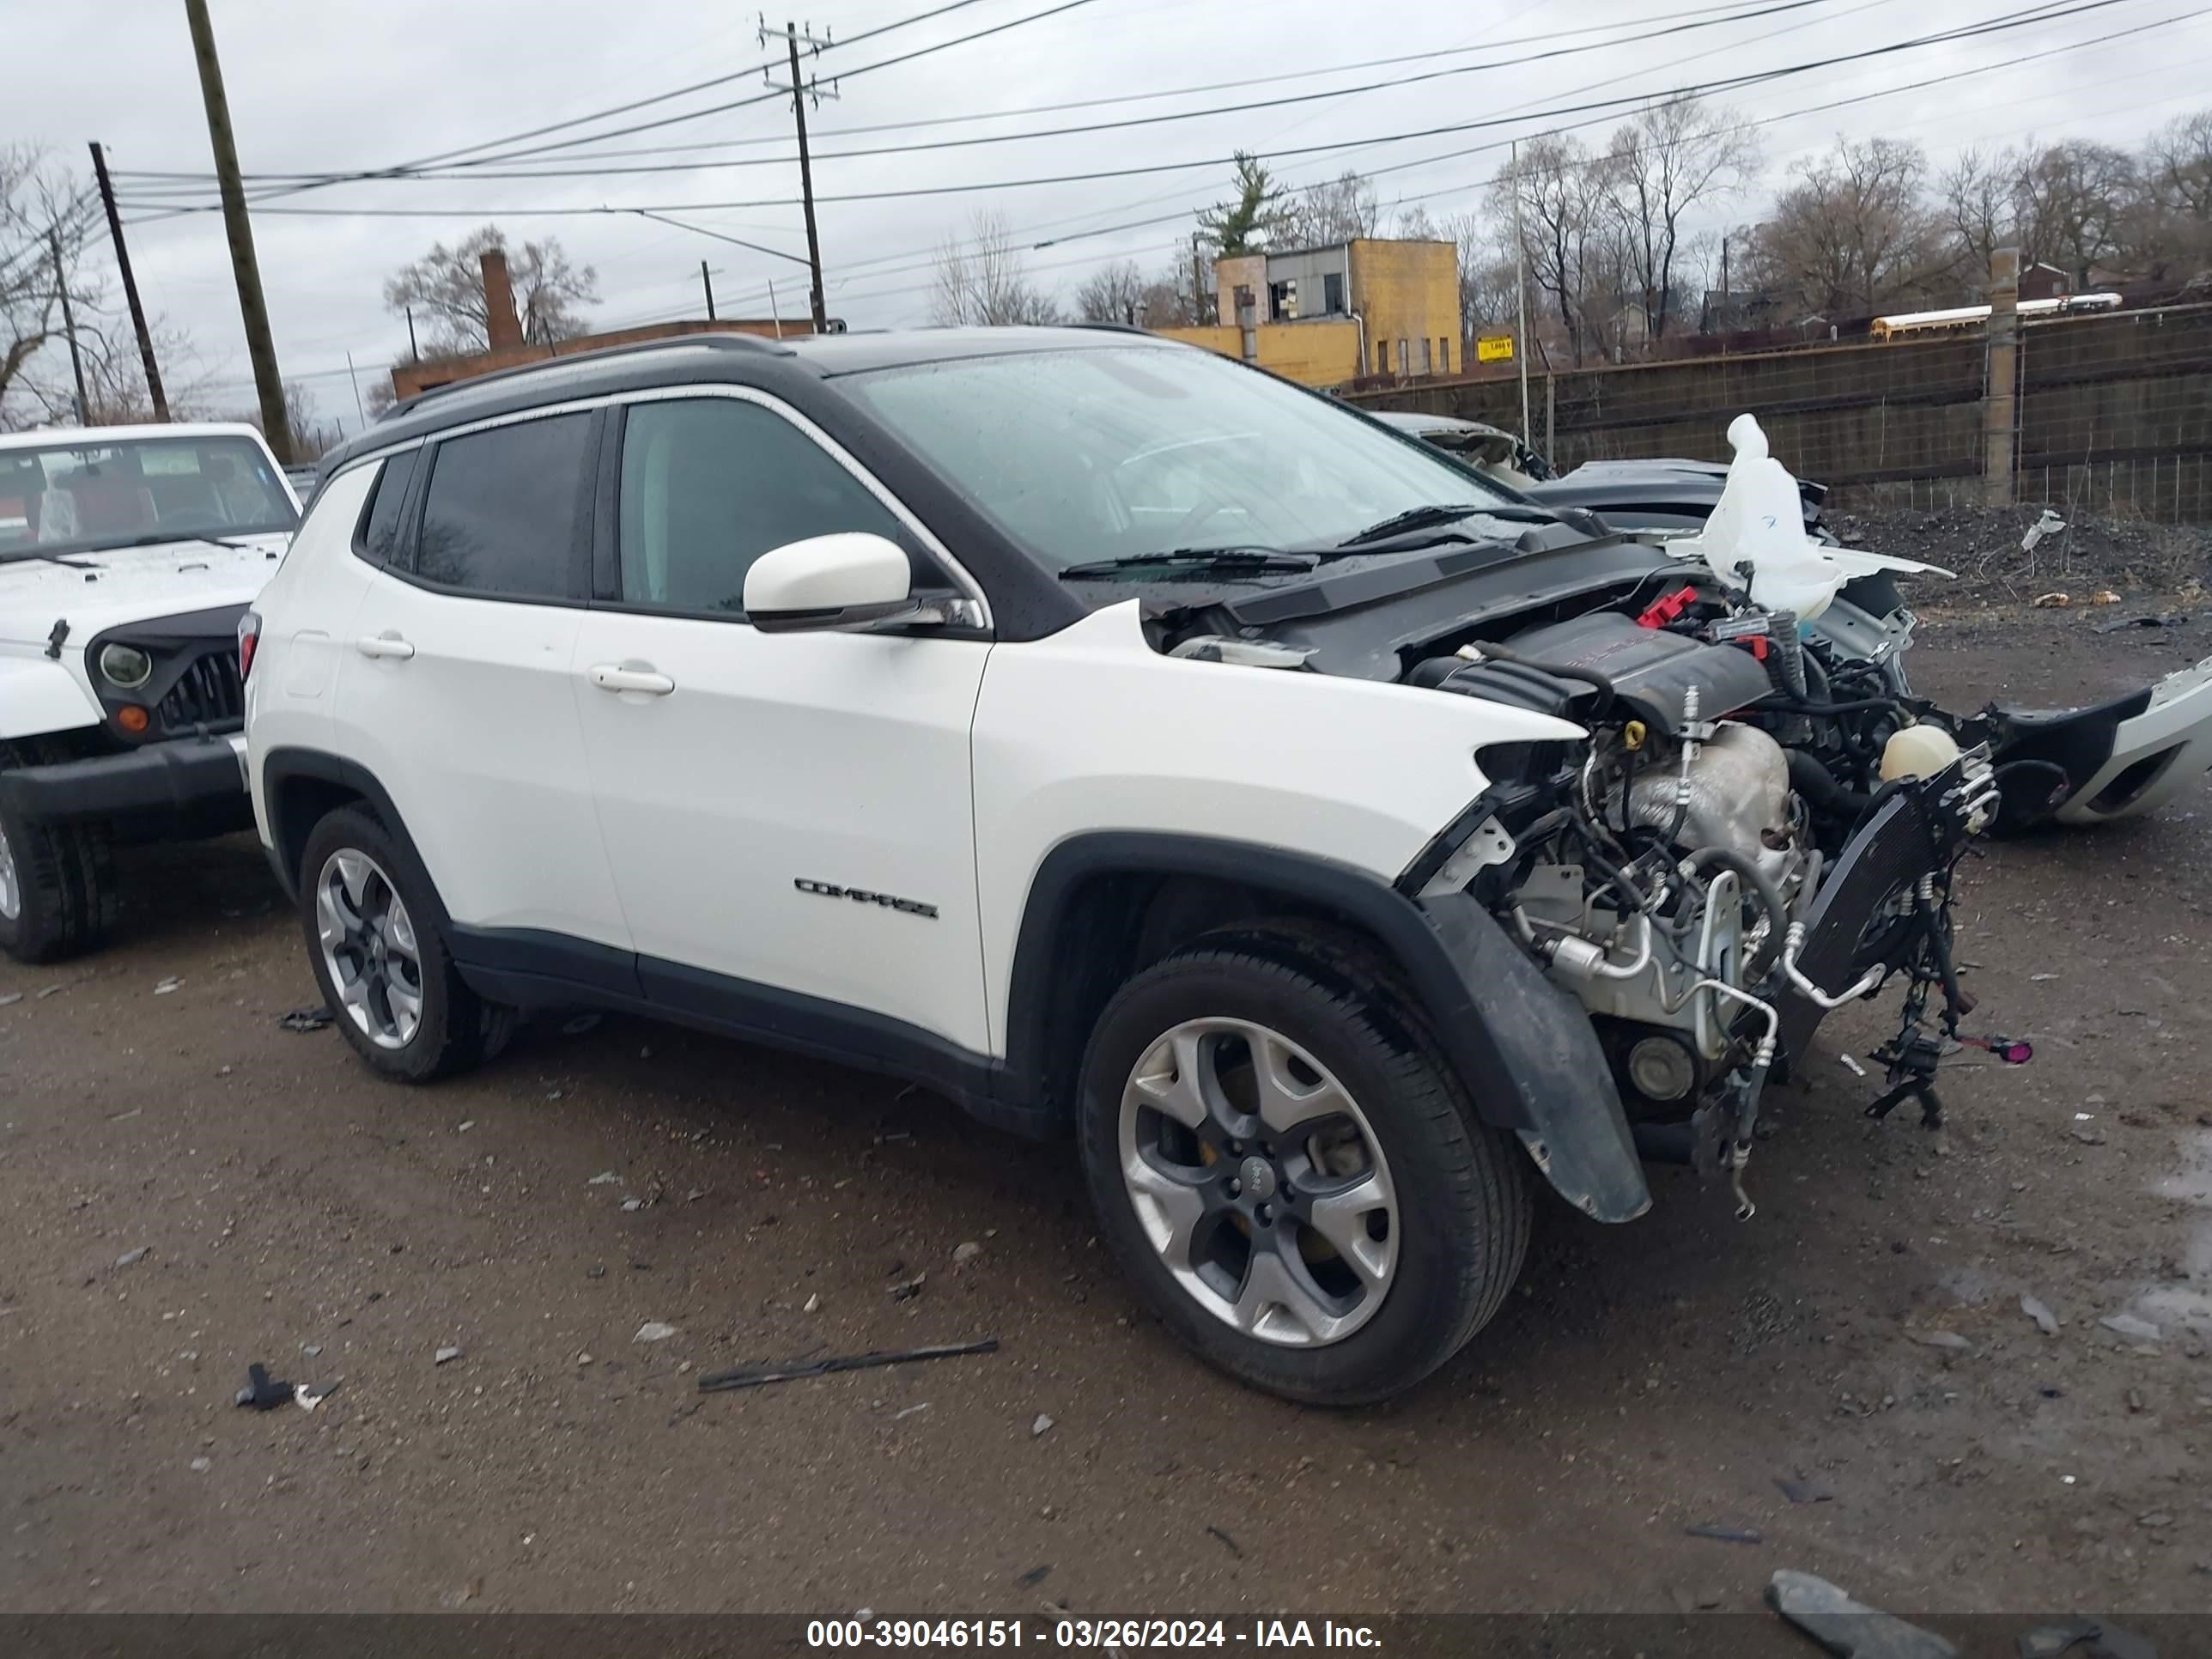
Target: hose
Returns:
[1769, 899]
[1818, 784]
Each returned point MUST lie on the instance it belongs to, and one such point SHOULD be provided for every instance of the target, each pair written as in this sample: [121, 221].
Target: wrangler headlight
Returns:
[125, 666]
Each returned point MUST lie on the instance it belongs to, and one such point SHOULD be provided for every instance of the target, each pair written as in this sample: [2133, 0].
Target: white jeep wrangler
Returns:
[1124, 742]
[127, 555]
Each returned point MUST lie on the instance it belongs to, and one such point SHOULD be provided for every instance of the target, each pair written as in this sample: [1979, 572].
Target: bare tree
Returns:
[2172, 232]
[1340, 210]
[984, 281]
[1672, 159]
[445, 287]
[1980, 196]
[1113, 294]
[1563, 232]
[40, 211]
[2074, 201]
[1851, 235]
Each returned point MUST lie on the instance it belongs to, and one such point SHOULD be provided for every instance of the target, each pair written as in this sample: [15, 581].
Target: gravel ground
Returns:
[190, 1187]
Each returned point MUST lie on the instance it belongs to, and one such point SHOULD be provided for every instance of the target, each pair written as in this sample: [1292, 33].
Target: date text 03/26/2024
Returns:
[947, 1635]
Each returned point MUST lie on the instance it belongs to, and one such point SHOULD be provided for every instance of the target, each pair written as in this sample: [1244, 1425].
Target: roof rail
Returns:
[1114, 328]
[716, 340]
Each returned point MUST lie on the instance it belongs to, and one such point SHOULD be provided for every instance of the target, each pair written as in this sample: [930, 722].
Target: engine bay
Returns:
[1761, 825]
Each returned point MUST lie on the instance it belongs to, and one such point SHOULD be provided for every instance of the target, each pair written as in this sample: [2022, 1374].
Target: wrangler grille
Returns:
[208, 693]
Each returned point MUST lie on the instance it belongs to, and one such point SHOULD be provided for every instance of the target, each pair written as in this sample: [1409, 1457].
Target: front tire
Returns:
[376, 935]
[57, 886]
[1291, 1175]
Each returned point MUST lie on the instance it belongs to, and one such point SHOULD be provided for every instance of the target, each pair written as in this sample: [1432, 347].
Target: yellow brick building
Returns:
[1324, 316]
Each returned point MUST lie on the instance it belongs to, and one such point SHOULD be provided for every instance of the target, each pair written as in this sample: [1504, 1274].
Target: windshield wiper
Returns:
[19, 555]
[1435, 516]
[157, 537]
[1197, 558]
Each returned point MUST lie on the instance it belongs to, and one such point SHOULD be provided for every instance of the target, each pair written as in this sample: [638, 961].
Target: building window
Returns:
[1443, 354]
[1382, 356]
[1405, 360]
[1425, 355]
[1283, 299]
[1331, 294]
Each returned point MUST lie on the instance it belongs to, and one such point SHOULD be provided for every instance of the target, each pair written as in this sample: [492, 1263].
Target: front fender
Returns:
[38, 696]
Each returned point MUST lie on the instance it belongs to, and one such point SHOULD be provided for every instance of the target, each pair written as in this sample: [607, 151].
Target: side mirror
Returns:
[844, 581]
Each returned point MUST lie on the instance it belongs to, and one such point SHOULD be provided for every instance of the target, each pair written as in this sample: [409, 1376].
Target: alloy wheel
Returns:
[1260, 1181]
[369, 948]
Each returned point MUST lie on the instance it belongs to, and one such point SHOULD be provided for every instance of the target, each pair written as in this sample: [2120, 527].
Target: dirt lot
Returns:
[1863, 1337]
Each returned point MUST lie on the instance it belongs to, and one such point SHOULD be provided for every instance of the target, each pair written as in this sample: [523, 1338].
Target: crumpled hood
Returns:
[133, 584]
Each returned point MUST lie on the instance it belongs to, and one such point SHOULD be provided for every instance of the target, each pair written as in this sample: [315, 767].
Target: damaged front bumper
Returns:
[2100, 764]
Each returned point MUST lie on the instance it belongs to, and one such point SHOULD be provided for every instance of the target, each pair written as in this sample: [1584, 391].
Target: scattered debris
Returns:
[909, 1411]
[445, 1355]
[2104, 596]
[654, 1331]
[577, 1025]
[2052, 601]
[2165, 619]
[200, 1466]
[965, 1253]
[2135, 1400]
[907, 1289]
[2107, 1641]
[8, 997]
[2127, 1325]
[131, 1258]
[2088, 1134]
[812, 1303]
[1724, 1534]
[466, 1124]
[604, 1178]
[2155, 1520]
[307, 1397]
[1038, 1428]
[1227, 1542]
[1950, 1340]
[1801, 1491]
[51, 991]
[1851, 1061]
[1034, 1576]
[260, 1392]
[1849, 1629]
[2048, 525]
[723, 1382]
[305, 1019]
[633, 1204]
[2045, 1320]
[166, 986]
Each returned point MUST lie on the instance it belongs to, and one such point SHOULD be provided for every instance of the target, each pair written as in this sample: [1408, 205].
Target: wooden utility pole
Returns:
[707, 281]
[253, 309]
[69, 321]
[130, 286]
[801, 92]
[414, 351]
[1520, 298]
[2004, 378]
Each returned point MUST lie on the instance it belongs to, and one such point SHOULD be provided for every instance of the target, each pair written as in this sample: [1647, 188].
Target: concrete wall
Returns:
[1408, 291]
[2114, 409]
[409, 379]
[1323, 352]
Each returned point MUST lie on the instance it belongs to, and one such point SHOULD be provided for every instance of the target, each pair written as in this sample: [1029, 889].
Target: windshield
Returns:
[79, 497]
[1103, 454]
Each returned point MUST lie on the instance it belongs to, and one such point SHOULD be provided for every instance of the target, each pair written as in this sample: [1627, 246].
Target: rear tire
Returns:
[58, 887]
[376, 936]
[1440, 1209]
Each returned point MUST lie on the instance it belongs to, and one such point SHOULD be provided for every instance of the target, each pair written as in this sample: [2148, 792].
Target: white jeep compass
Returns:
[1124, 742]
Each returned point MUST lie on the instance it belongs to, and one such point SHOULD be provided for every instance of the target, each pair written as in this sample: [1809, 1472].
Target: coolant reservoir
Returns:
[1917, 751]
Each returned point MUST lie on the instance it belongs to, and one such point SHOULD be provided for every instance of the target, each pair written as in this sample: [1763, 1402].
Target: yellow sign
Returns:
[1494, 349]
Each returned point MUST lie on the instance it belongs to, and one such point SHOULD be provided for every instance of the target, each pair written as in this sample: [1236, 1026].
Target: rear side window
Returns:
[708, 484]
[500, 515]
[380, 531]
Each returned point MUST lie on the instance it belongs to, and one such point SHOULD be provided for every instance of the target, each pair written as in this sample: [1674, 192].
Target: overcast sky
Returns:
[345, 84]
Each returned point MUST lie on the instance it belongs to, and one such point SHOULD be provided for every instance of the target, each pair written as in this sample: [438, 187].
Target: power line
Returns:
[2003, 22]
[1737, 12]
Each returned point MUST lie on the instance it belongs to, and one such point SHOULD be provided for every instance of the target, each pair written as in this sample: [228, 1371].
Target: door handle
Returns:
[610, 677]
[386, 644]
